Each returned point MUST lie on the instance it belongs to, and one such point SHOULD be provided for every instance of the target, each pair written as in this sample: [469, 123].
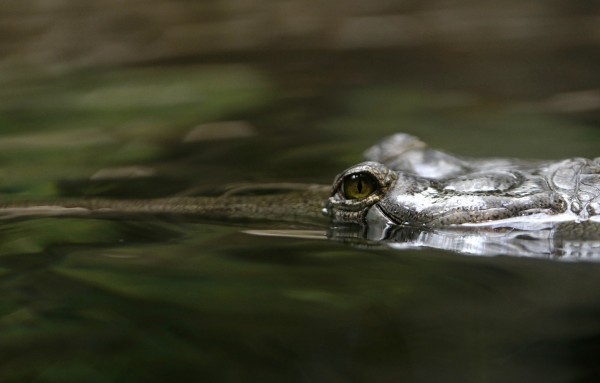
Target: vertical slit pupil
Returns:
[359, 186]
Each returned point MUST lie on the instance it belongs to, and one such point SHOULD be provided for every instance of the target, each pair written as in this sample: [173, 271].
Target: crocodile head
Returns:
[372, 194]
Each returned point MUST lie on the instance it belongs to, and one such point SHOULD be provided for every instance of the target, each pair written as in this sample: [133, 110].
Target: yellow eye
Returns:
[359, 186]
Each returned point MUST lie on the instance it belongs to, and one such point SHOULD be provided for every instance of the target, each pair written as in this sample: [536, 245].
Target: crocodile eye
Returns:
[359, 186]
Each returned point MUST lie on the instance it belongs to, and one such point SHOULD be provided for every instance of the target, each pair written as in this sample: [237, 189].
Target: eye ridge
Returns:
[359, 185]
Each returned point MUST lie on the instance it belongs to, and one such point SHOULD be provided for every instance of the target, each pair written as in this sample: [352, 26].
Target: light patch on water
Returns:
[67, 139]
[123, 172]
[221, 130]
[304, 234]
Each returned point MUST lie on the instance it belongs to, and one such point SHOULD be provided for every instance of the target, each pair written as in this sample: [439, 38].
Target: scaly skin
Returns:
[292, 206]
[422, 187]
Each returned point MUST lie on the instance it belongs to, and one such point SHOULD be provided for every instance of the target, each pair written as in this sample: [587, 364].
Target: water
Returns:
[169, 299]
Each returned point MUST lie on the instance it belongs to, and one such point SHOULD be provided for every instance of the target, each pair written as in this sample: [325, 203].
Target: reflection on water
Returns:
[96, 300]
[556, 241]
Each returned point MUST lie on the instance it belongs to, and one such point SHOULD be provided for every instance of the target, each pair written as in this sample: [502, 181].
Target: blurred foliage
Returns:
[69, 127]
[460, 123]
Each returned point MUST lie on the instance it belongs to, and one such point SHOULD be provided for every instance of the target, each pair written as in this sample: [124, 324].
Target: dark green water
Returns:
[173, 300]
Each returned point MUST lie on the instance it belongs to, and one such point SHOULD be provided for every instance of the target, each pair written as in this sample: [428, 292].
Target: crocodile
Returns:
[407, 195]
[404, 182]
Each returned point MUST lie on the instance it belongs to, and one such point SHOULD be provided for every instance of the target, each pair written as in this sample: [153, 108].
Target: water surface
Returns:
[169, 299]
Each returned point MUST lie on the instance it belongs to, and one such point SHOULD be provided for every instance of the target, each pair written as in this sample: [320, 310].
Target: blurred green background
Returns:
[123, 83]
[140, 99]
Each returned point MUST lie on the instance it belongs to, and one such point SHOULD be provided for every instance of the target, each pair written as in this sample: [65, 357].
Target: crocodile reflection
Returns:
[557, 241]
[409, 195]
